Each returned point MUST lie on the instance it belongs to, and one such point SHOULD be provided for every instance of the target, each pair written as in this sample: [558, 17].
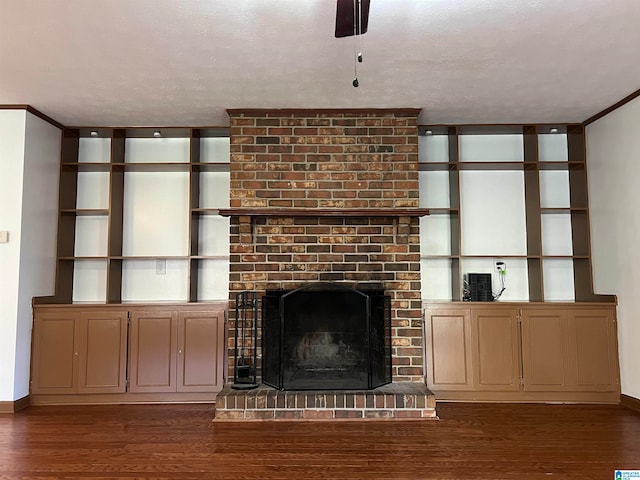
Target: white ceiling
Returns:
[183, 62]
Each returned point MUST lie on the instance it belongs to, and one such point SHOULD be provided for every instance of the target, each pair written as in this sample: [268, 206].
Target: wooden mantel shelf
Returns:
[323, 212]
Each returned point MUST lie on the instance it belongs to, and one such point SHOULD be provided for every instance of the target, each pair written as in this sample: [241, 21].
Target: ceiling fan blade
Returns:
[345, 17]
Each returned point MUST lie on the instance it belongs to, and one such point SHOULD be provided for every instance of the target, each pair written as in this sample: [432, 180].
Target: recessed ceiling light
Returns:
[93, 133]
[157, 133]
[553, 130]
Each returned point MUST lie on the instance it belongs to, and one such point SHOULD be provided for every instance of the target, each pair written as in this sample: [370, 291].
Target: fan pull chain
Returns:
[359, 36]
[357, 41]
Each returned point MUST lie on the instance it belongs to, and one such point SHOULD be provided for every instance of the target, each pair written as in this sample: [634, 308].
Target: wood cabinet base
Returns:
[529, 397]
[90, 354]
[122, 398]
[522, 352]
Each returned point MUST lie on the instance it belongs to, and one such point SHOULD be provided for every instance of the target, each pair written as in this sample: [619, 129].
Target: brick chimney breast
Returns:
[329, 161]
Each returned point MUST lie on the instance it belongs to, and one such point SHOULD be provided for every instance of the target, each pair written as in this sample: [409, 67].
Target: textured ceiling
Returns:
[183, 62]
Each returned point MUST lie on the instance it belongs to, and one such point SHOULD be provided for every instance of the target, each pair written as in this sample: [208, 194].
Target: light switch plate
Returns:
[161, 266]
[4, 237]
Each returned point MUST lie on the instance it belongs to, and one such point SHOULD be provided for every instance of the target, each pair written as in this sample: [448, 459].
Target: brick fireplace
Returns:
[329, 196]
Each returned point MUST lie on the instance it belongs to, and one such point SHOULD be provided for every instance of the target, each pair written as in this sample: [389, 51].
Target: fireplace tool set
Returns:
[246, 338]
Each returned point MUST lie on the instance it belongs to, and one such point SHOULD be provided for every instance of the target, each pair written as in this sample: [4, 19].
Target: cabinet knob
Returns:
[179, 352]
[75, 353]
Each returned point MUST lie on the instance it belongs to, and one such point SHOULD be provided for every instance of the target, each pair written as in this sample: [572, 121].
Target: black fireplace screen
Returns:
[326, 336]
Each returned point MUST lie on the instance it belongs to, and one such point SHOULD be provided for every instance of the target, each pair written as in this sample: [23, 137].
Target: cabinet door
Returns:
[102, 343]
[592, 348]
[496, 349]
[448, 349]
[544, 350]
[573, 349]
[153, 351]
[201, 350]
[55, 353]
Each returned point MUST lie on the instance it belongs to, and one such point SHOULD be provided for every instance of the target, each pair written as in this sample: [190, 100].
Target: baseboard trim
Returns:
[15, 406]
[630, 402]
[526, 397]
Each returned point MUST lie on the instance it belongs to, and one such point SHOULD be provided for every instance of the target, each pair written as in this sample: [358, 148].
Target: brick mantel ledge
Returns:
[323, 212]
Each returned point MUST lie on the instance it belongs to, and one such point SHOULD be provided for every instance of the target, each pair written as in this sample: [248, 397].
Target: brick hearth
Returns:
[398, 400]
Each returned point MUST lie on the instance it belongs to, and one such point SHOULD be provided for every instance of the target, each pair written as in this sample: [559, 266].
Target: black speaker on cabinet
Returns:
[480, 287]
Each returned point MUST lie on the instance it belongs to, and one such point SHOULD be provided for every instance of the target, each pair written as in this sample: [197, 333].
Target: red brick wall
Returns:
[338, 160]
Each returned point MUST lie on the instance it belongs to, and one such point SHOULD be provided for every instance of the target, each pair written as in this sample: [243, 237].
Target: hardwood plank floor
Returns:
[471, 441]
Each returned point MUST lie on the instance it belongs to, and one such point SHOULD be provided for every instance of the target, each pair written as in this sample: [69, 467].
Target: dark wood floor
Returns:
[180, 442]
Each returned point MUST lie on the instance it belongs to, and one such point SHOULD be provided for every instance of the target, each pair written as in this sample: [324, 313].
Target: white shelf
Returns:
[157, 150]
[214, 189]
[93, 190]
[213, 235]
[142, 283]
[94, 150]
[558, 279]
[516, 280]
[435, 235]
[556, 234]
[554, 189]
[491, 148]
[156, 214]
[433, 148]
[434, 189]
[89, 281]
[91, 236]
[552, 147]
[213, 279]
[436, 278]
[215, 149]
[492, 206]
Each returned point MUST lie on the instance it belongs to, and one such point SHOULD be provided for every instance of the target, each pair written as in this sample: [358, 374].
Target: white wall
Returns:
[38, 237]
[12, 140]
[613, 160]
[29, 156]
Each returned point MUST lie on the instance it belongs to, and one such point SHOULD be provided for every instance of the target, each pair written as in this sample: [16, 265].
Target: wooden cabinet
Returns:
[471, 350]
[522, 352]
[99, 354]
[544, 350]
[201, 350]
[79, 352]
[569, 350]
[176, 351]
[54, 364]
[495, 349]
[593, 350]
[153, 351]
[102, 352]
[449, 363]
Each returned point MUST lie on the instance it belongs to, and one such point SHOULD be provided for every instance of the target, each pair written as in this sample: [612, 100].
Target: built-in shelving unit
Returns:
[138, 215]
[516, 194]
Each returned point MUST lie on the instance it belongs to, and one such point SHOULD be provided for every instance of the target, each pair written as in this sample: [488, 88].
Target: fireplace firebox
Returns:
[326, 337]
